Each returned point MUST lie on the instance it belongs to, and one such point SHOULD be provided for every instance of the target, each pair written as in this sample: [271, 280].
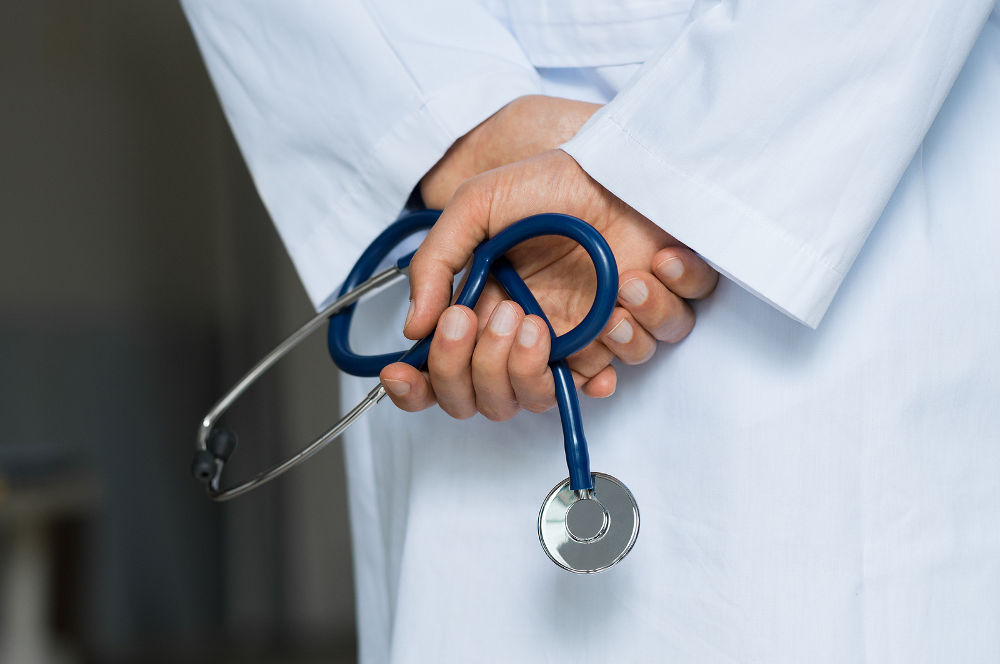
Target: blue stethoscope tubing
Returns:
[486, 260]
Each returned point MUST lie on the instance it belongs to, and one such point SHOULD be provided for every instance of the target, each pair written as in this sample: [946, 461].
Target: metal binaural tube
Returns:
[369, 287]
[376, 394]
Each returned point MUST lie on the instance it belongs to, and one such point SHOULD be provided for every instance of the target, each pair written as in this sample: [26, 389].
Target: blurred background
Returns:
[139, 277]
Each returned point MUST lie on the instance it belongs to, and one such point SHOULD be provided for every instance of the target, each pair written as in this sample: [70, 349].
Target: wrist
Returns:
[524, 127]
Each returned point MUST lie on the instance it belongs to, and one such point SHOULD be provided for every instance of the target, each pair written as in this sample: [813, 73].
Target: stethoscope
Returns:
[587, 522]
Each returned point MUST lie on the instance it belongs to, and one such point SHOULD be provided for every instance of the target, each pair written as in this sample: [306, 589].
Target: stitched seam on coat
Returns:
[377, 20]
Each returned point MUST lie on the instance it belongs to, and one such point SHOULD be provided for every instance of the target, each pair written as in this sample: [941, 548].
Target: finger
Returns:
[492, 296]
[591, 360]
[449, 359]
[408, 388]
[684, 272]
[661, 313]
[627, 339]
[602, 385]
[494, 395]
[528, 366]
[442, 254]
[548, 182]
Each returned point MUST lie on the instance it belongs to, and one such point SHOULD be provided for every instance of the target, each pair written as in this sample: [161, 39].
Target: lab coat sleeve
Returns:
[340, 107]
[770, 135]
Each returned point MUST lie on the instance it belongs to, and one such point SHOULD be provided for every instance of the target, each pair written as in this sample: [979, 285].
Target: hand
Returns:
[506, 369]
[523, 128]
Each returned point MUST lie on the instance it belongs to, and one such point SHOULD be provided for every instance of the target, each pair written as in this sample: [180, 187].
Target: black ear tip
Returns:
[221, 443]
[204, 466]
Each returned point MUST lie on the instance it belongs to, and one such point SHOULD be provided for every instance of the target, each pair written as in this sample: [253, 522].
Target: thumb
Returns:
[462, 226]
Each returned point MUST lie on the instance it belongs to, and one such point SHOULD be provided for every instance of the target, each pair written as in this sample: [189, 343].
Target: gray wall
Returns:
[139, 276]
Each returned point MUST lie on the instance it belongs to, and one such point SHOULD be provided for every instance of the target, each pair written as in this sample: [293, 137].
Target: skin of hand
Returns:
[494, 360]
[524, 127]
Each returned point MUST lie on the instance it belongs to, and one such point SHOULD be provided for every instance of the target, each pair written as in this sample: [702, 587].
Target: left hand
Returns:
[523, 128]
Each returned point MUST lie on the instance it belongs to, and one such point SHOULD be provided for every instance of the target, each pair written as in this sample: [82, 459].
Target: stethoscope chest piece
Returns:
[591, 530]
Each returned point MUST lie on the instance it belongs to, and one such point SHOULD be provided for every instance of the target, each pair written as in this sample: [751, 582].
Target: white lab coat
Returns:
[827, 495]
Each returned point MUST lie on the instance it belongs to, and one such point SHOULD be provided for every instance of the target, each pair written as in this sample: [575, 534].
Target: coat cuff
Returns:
[743, 244]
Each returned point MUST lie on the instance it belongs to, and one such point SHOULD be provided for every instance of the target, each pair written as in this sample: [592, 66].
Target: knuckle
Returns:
[538, 406]
[468, 191]
[481, 364]
[591, 359]
[418, 264]
[521, 371]
[443, 373]
[667, 322]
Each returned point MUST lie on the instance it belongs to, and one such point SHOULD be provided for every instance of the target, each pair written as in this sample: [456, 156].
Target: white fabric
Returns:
[786, 124]
[340, 108]
[806, 496]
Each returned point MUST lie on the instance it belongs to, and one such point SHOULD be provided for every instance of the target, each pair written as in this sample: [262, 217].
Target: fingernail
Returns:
[672, 268]
[503, 319]
[454, 324]
[621, 333]
[397, 387]
[633, 291]
[528, 334]
[409, 314]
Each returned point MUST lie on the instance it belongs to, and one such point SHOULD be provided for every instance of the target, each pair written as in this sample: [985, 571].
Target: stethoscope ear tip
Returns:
[207, 463]
[203, 466]
[222, 443]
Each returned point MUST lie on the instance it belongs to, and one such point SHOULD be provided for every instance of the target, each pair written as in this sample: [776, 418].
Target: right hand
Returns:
[496, 372]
